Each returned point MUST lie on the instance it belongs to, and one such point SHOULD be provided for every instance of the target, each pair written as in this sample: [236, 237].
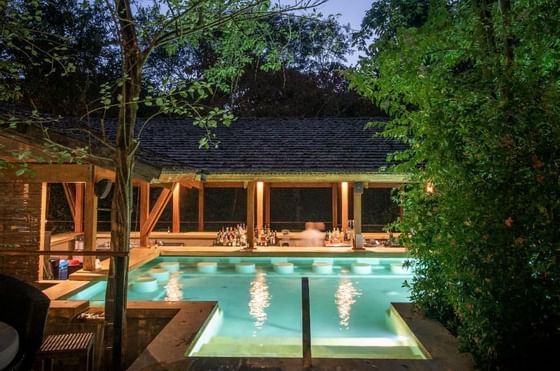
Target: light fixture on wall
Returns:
[430, 187]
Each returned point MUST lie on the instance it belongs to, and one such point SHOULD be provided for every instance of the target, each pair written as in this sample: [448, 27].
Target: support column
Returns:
[79, 208]
[358, 236]
[201, 208]
[90, 225]
[251, 215]
[144, 211]
[260, 203]
[267, 203]
[42, 225]
[344, 205]
[176, 228]
[334, 202]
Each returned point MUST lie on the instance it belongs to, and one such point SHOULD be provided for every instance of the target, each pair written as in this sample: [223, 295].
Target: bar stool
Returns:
[78, 346]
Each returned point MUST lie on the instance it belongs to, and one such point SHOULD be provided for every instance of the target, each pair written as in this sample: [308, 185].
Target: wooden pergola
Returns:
[258, 172]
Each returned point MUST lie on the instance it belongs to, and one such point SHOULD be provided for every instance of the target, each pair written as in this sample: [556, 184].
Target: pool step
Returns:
[251, 346]
[290, 347]
[368, 352]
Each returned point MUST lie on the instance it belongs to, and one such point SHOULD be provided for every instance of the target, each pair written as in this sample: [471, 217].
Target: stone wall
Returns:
[20, 214]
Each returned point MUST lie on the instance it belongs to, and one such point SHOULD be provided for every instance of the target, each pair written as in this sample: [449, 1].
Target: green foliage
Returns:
[474, 93]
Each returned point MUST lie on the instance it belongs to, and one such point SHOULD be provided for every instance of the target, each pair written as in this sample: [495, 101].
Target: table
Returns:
[9, 344]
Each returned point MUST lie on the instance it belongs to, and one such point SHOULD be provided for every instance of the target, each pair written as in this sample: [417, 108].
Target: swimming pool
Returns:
[259, 298]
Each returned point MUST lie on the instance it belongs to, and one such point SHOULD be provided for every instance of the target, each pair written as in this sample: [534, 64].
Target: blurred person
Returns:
[312, 236]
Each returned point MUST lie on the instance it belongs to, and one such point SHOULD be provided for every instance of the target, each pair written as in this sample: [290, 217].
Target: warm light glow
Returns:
[344, 297]
[260, 208]
[430, 187]
[344, 205]
[173, 289]
[260, 300]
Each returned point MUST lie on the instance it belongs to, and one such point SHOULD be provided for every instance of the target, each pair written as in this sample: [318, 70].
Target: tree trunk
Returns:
[117, 281]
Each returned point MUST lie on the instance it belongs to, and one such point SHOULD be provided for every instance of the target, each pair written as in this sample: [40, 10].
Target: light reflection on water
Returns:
[173, 289]
[260, 300]
[344, 297]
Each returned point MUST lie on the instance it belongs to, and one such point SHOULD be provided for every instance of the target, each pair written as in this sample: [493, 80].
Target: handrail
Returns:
[306, 323]
[6, 252]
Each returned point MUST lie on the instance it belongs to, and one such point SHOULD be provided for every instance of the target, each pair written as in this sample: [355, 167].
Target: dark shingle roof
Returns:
[272, 145]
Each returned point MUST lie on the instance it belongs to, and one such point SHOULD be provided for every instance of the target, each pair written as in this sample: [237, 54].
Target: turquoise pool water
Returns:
[259, 300]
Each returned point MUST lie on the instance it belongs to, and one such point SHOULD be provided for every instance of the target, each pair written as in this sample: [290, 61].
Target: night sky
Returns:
[350, 12]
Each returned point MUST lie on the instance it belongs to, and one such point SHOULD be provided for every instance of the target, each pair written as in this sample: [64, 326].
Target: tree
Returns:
[383, 20]
[181, 22]
[473, 92]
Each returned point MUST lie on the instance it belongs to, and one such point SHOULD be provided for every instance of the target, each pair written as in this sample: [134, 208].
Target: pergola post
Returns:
[201, 208]
[250, 214]
[79, 208]
[90, 225]
[358, 237]
[176, 225]
[334, 202]
[344, 205]
[267, 203]
[260, 203]
[144, 211]
[42, 225]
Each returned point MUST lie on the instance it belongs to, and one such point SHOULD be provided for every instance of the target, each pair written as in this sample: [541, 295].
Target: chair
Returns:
[25, 308]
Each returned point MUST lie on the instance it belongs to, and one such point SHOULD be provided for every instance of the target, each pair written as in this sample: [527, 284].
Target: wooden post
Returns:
[79, 208]
[267, 203]
[251, 215]
[42, 225]
[90, 225]
[358, 237]
[334, 201]
[344, 204]
[201, 209]
[144, 211]
[260, 199]
[176, 208]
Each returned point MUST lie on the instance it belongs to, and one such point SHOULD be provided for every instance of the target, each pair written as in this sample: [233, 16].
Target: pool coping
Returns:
[441, 346]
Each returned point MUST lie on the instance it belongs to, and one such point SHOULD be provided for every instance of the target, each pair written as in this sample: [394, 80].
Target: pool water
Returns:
[259, 312]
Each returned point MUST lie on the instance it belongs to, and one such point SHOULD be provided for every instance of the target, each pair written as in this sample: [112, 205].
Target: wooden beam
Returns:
[191, 184]
[267, 203]
[176, 218]
[224, 185]
[358, 237]
[260, 204]
[334, 203]
[300, 185]
[42, 225]
[383, 185]
[302, 178]
[201, 209]
[50, 173]
[144, 211]
[90, 225]
[79, 208]
[71, 199]
[251, 214]
[156, 211]
[344, 205]
[102, 173]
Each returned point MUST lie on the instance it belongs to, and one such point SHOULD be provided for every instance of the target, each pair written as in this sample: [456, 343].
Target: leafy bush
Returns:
[474, 92]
